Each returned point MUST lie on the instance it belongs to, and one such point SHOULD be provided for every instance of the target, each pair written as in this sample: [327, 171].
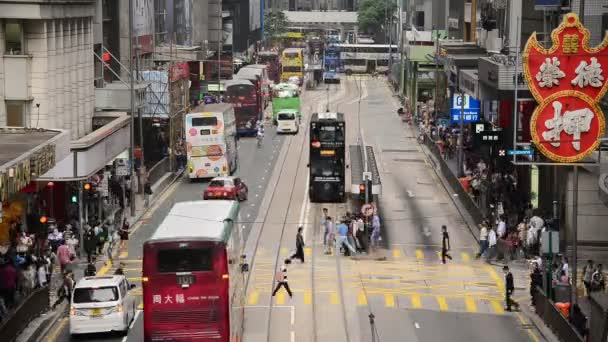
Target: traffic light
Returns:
[362, 193]
[365, 192]
[88, 187]
[74, 198]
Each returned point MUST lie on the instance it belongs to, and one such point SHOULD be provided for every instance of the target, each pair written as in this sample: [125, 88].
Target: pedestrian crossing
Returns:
[461, 303]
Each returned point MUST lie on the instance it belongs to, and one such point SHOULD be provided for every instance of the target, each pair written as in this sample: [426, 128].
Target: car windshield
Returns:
[96, 294]
[220, 183]
[287, 116]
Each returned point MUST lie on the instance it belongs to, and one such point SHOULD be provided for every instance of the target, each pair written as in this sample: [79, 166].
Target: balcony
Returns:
[17, 80]
[116, 96]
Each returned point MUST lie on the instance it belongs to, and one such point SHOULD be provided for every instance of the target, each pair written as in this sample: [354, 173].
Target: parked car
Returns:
[102, 304]
[230, 188]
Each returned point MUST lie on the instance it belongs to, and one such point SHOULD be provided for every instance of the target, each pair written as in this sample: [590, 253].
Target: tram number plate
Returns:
[185, 279]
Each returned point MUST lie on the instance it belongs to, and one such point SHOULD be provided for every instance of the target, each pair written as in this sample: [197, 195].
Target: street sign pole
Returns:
[460, 163]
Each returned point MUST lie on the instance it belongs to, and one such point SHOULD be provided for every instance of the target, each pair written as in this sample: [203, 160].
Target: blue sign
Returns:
[520, 152]
[547, 3]
[470, 108]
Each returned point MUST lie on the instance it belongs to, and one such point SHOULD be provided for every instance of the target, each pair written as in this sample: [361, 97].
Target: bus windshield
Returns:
[184, 260]
[330, 133]
[208, 121]
[292, 69]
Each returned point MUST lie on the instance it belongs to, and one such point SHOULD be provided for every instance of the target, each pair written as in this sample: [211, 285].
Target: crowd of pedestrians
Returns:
[351, 235]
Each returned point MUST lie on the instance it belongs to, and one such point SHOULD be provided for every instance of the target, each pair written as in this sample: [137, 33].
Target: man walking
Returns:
[587, 275]
[299, 246]
[281, 279]
[342, 240]
[509, 288]
[445, 244]
[483, 239]
[329, 234]
[323, 222]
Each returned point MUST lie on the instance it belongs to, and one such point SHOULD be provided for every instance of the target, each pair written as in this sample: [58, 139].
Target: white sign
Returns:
[103, 185]
[122, 167]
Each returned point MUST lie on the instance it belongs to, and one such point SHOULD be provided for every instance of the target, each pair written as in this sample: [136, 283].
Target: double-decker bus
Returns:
[210, 133]
[366, 58]
[258, 75]
[292, 63]
[327, 157]
[332, 64]
[246, 99]
[272, 61]
[285, 96]
[193, 282]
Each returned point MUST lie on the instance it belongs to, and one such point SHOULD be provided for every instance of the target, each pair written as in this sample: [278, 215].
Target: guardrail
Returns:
[159, 170]
[554, 319]
[33, 305]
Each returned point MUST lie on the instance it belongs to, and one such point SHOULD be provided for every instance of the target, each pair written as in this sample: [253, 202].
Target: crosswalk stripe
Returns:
[280, 298]
[124, 254]
[389, 300]
[419, 254]
[254, 297]
[470, 304]
[284, 251]
[307, 297]
[334, 299]
[497, 307]
[396, 253]
[361, 298]
[439, 254]
[134, 279]
[465, 256]
[416, 302]
[307, 251]
[443, 304]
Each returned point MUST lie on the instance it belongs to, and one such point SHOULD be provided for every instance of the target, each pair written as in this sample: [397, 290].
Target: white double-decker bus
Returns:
[211, 141]
[366, 58]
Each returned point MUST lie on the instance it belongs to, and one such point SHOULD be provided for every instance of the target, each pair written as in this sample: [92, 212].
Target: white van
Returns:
[288, 121]
[102, 304]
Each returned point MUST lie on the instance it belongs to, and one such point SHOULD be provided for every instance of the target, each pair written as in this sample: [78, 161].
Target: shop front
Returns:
[26, 154]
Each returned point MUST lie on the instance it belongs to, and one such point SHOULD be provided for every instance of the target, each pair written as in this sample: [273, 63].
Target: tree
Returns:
[373, 15]
[275, 25]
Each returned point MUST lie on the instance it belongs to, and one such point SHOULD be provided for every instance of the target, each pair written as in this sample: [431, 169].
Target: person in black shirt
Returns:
[509, 287]
[445, 244]
[536, 280]
[299, 254]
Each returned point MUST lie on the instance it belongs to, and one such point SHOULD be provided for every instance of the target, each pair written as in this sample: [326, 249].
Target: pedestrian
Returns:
[492, 241]
[597, 280]
[323, 221]
[501, 228]
[41, 273]
[536, 281]
[65, 292]
[587, 276]
[329, 235]
[483, 240]
[445, 244]
[147, 193]
[509, 287]
[91, 270]
[8, 282]
[565, 266]
[64, 256]
[281, 279]
[299, 246]
[89, 243]
[72, 242]
[342, 240]
[376, 237]
[361, 236]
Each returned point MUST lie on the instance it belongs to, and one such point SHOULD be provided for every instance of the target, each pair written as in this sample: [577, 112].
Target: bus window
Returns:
[292, 69]
[184, 260]
[208, 121]
[331, 133]
[292, 55]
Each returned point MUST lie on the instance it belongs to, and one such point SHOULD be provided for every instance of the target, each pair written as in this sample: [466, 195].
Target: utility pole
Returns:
[140, 116]
[436, 72]
[219, 49]
[401, 64]
[582, 12]
[460, 161]
[132, 99]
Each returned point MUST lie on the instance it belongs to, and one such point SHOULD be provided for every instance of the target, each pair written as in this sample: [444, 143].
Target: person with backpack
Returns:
[281, 279]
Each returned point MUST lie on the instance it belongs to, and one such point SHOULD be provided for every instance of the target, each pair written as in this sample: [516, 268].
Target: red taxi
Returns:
[230, 188]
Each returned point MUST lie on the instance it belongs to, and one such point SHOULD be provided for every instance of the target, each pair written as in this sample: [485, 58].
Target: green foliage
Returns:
[275, 24]
[372, 15]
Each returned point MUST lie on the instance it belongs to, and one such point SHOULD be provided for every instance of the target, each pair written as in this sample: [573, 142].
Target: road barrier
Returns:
[553, 318]
[33, 305]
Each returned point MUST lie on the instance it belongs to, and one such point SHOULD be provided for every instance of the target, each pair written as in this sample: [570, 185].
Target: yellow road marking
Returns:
[530, 332]
[105, 268]
[465, 256]
[443, 305]
[307, 297]
[470, 304]
[280, 298]
[53, 335]
[396, 253]
[498, 280]
[140, 306]
[439, 254]
[361, 298]
[334, 299]
[416, 302]
[419, 254]
[254, 297]
[157, 202]
[134, 279]
[284, 251]
[497, 307]
[307, 251]
[389, 300]
[124, 254]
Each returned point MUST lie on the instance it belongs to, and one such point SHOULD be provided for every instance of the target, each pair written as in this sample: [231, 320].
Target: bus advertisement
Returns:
[272, 61]
[284, 96]
[193, 281]
[366, 58]
[292, 63]
[210, 133]
[244, 96]
[327, 158]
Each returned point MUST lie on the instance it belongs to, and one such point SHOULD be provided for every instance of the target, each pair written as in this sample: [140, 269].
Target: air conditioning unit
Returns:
[493, 42]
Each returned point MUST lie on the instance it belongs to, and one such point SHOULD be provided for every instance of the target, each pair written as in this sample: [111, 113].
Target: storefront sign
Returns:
[567, 81]
[19, 175]
[179, 71]
[470, 108]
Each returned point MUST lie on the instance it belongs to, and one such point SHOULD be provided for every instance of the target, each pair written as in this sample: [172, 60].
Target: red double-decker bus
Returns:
[247, 102]
[193, 283]
[272, 60]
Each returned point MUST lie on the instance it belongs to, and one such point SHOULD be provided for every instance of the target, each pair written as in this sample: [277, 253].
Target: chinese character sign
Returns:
[567, 80]
[467, 104]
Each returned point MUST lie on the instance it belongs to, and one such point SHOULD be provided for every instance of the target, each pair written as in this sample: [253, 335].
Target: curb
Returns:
[55, 316]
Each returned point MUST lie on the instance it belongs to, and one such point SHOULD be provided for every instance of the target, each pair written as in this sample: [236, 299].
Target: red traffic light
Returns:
[87, 186]
[43, 219]
[362, 187]
[50, 184]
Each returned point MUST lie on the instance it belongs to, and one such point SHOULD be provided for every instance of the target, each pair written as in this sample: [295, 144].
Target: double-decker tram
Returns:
[327, 157]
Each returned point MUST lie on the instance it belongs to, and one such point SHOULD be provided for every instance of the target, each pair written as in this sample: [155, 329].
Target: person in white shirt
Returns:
[483, 239]
[501, 230]
[565, 267]
[492, 240]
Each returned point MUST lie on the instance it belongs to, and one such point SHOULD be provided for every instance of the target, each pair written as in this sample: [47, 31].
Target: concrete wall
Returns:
[592, 213]
[214, 23]
[200, 17]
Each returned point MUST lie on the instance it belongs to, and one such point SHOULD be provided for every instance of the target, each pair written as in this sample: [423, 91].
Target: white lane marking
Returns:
[417, 325]
[293, 315]
[293, 336]
[124, 339]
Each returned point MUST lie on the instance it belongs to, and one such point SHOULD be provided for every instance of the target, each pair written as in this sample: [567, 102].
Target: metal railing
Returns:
[33, 305]
[553, 318]
[159, 170]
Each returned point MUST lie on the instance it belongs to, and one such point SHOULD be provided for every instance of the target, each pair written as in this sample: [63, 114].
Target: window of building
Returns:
[13, 36]
[420, 19]
[15, 113]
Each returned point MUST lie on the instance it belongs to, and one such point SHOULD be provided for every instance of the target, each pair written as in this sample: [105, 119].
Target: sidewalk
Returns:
[41, 325]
